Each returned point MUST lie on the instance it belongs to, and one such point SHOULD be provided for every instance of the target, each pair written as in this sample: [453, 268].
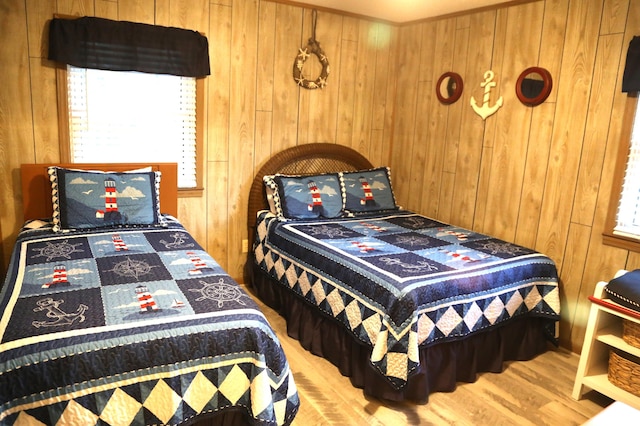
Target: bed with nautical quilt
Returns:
[130, 321]
[401, 303]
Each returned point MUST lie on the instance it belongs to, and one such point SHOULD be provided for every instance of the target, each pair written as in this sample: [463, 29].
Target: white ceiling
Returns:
[400, 11]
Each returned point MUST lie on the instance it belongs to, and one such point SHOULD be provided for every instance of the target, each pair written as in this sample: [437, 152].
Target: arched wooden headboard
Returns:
[306, 159]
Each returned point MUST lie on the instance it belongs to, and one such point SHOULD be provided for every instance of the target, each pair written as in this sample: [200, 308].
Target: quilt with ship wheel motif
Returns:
[132, 326]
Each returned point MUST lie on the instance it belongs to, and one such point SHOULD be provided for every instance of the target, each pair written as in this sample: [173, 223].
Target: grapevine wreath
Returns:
[312, 48]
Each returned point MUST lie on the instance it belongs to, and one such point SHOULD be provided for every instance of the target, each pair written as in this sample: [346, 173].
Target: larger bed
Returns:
[127, 320]
[402, 304]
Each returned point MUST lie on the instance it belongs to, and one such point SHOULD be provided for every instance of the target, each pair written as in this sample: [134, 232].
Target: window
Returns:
[130, 92]
[116, 116]
[623, 223]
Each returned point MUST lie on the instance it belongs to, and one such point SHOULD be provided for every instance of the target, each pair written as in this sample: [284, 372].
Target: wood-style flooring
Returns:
[535, 392]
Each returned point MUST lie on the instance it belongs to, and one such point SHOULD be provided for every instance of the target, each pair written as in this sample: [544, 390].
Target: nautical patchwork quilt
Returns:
[401, 281]
[135, 326]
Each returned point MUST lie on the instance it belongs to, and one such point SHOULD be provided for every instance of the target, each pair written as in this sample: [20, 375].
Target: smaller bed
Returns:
[402, 304]
[128, 320]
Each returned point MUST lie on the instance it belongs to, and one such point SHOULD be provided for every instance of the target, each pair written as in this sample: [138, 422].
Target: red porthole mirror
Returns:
[449, 87]
[534, 86]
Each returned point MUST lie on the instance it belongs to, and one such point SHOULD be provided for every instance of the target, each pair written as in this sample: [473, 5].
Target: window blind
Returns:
[628, 217]
[133, 117]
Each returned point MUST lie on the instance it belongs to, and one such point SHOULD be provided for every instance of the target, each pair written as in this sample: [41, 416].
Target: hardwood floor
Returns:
[535, 392]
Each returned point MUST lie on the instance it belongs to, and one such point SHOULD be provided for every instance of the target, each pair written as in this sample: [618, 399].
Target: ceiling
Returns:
[402, 11]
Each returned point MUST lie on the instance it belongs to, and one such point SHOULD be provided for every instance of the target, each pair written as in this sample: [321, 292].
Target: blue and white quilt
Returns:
[400, 281]
[132, 326]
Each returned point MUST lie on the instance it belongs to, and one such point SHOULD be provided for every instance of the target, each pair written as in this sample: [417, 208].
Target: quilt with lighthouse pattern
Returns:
[134, 326]
[400, 281]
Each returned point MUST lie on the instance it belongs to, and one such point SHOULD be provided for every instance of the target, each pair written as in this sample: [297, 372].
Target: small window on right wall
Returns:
[622, 228]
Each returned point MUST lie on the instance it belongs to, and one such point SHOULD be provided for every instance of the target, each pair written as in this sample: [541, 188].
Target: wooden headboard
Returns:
[36, 188]
[306, 159]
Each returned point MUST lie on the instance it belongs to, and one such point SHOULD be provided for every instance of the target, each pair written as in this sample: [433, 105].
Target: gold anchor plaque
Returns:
[485, 110]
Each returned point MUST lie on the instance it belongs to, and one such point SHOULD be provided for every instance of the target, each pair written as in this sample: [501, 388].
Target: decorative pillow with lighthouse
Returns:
[307, 197]
[93, 199]
[368, 191]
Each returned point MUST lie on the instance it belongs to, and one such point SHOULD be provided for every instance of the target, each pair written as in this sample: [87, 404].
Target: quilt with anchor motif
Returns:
[401, 281]
[132, 326]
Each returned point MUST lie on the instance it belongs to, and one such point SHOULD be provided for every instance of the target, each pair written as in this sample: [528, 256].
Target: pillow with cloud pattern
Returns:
[96, 199]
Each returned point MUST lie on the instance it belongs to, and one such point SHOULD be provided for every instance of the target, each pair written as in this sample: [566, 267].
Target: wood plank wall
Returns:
[536, 176]
[541, 176]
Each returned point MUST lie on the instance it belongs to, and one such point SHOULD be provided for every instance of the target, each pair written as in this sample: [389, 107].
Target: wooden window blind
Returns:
[117, 116]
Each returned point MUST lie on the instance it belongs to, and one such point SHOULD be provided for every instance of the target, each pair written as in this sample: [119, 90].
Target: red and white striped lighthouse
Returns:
[366, 188]
[110, 198]
[198, 264]
[118, 244]
[59, 277]
[147, 304]
[316, 200]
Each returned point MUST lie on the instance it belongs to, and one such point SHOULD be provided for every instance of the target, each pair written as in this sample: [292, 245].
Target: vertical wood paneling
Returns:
[136, 11]
[603, 88]
[522, 41]
[614, 16]
[75, 7]
[45, 113]
[538, 147]
[194, 15]
[219, 36]
[217, 207]
[543, 174]
[348, 81]
[264, 120]
[244, 34]
[540, 176]
[266, 56]
[106, 9]
[573, 88]
[420, 151]
[571, 304]
[469, 158]
[603, 261]
[43, 82]
[289, 38]
[405, 108]
[551, 42]
[40, 12]
[16, 120]
[364, 89]
[318, 108]
[494, 45]
[381, 117]
[459, 48]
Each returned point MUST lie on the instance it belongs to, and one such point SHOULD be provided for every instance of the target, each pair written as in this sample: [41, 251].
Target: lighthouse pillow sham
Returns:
[94, 199]
[306, 197]
[368, 191]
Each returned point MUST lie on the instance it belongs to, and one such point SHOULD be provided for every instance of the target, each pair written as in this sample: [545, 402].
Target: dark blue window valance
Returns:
[631, 76]
[99, 43]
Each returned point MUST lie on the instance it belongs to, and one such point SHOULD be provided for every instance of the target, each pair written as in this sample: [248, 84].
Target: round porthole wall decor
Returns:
[312, 48]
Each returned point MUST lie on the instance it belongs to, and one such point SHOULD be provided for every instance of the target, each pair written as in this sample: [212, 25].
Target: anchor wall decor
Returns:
[485, 110]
